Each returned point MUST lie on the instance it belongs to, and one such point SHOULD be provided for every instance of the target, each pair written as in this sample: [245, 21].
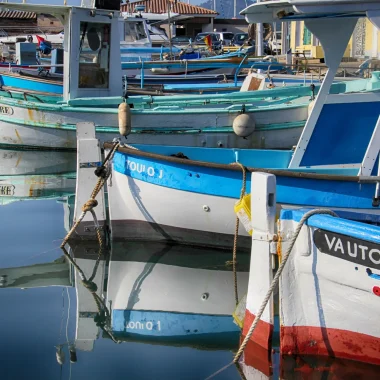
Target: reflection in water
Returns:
[54, 313]
[27, 175]
[162, 293]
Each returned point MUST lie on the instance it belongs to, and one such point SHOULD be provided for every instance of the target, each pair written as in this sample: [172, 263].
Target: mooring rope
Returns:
[274, 284]
[277, 276]
[103, 318]
[104, 171]
[234, 251]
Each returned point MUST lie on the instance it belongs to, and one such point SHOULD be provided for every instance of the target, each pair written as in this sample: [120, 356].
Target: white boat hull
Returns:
[143, 211]
[28, 127]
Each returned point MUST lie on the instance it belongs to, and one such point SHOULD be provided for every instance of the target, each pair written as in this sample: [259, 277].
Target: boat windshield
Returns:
[94, 55]
[134, 31]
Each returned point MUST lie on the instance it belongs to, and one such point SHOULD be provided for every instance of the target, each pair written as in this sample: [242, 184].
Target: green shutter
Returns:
[306, 36]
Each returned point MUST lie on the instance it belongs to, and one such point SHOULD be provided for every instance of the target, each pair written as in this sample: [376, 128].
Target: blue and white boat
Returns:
[188, 194]
[327, 265]
[93, 91]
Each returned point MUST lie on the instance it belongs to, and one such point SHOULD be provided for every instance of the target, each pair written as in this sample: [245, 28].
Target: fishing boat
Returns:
[327, 265]
[334, 165]
[314, 289]
[93, 91]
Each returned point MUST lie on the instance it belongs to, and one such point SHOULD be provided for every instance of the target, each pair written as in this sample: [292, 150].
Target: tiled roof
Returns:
[18, 15]
[160, 6]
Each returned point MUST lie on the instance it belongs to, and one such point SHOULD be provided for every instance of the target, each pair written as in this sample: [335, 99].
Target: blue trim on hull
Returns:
[31, 84]
[227, 183]
[358, 230]
[170, 324]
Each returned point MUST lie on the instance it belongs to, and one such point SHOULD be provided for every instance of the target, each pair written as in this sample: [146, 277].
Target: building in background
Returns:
[48, 23]
[364, 43]
[229, 25]
[190, 21]
[13, 23]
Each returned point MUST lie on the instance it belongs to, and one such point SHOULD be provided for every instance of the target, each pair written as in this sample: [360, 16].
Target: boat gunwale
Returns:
[234, 167]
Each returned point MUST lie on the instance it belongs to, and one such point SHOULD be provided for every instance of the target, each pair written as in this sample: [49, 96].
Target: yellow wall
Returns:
[369, 39]
[316, 50]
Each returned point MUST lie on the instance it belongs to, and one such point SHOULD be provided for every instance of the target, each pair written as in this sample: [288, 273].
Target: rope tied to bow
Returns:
[103, 317]
[89, 205]
[90, 285]
[274, 284]
[277, 276]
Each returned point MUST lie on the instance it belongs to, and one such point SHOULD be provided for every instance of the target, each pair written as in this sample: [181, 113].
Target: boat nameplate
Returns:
[7, 190]
[6, 110]
[348, 248]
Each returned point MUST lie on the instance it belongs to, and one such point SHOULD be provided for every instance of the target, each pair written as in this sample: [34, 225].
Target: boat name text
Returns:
[348, 248]
[7, 190]
[133, 166]
[144, 325]
[6, 110]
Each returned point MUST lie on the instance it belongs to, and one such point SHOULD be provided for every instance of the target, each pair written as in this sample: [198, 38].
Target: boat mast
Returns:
[170, 31]
[259, 37]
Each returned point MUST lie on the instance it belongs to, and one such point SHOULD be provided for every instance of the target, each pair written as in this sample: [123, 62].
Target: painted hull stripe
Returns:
[342, 226]
[227, 184]
[321, 341]
[262, 336]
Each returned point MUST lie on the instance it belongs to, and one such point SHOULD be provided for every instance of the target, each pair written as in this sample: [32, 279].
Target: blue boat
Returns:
[188, 194]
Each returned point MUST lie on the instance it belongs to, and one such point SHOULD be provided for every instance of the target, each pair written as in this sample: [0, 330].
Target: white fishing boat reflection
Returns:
[55, 273]
[161, 293]
[28, 175]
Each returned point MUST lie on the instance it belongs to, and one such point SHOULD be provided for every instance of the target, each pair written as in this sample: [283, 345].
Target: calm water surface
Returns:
[42, 298]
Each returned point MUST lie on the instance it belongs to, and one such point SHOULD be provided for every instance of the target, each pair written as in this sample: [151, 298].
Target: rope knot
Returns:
[89, 205]
[91, 286]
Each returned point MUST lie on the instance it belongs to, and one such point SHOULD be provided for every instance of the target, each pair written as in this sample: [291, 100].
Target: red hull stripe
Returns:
[307, 340]
[263, 332]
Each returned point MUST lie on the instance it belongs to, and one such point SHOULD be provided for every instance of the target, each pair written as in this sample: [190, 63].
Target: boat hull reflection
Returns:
[175, 294]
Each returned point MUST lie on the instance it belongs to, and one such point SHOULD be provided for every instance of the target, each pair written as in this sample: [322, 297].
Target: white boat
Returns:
[92, 90]
[328, 266]
[188, 194]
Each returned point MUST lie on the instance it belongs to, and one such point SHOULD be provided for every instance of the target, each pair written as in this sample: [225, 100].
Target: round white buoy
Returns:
[124, 119]
[244, 125]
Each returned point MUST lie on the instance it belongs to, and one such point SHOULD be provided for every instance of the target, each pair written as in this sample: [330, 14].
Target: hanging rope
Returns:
[242, 193]
[103, 318]
[104, 171]
[273, 285]
[276, 278]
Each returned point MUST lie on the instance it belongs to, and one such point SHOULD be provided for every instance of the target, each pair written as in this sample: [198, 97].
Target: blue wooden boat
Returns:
[188, 194]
